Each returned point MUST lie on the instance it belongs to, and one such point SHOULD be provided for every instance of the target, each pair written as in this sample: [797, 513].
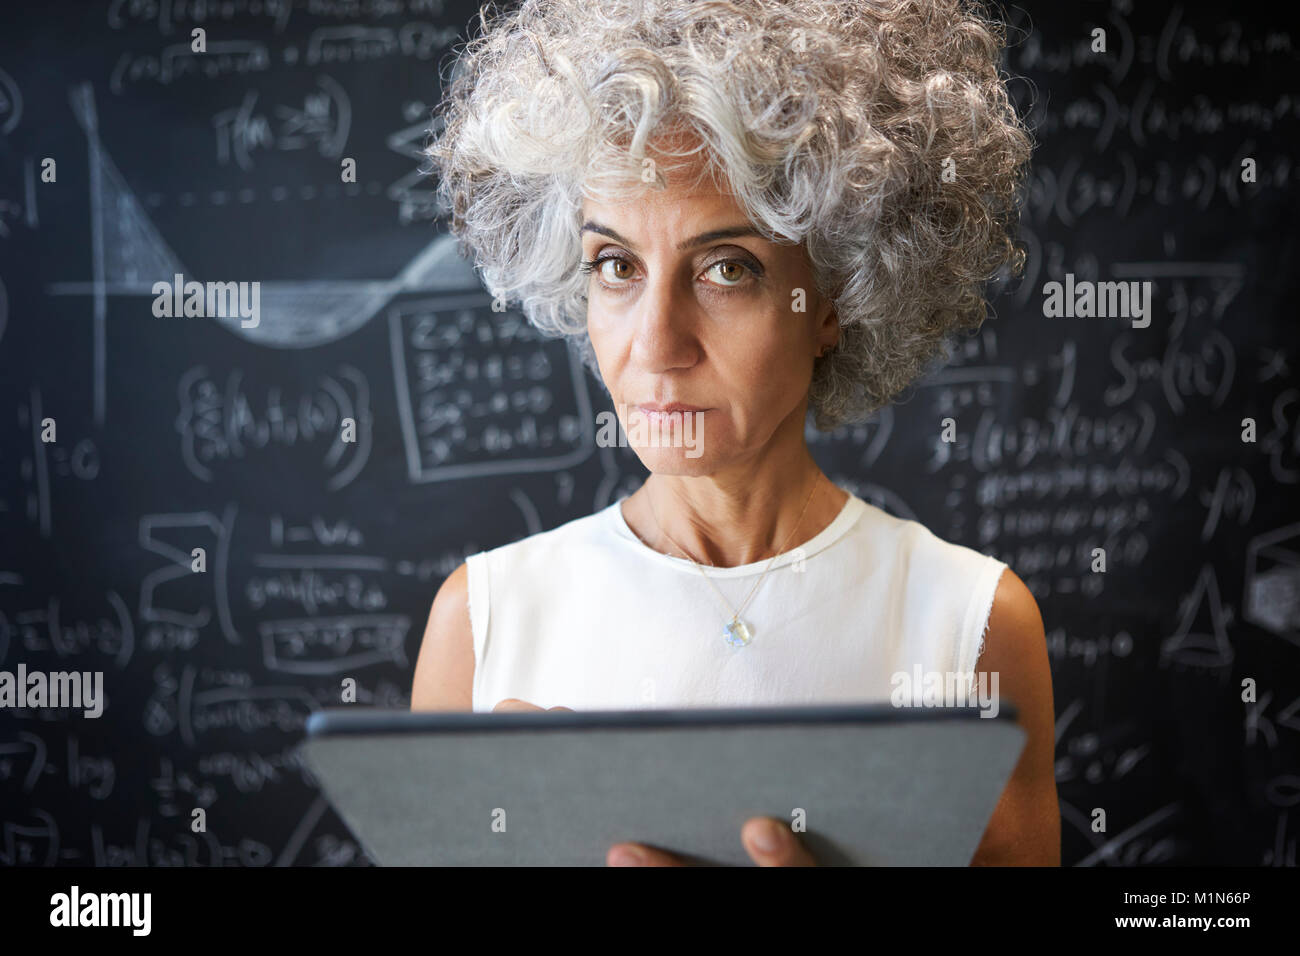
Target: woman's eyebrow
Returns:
[730, 232]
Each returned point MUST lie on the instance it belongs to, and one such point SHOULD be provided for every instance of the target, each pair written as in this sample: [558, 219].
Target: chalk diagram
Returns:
[11, 104]
[324, 638]
[129, 254]
[1205, 646]
[467, 410]
[1272, 585]
[11, 111]
[218, 423]
[191, 609]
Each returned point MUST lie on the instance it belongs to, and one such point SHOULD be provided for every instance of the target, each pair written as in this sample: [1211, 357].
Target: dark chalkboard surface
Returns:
[322, 556]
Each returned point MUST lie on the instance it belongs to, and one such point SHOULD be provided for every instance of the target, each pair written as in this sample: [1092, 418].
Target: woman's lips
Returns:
[670, 407]
[670, 414]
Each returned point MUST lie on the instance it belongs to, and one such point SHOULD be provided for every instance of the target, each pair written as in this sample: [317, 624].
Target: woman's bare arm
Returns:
[1025, 829]
[444, 671]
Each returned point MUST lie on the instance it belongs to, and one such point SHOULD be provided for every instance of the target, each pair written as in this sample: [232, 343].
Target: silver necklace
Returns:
[735, 632]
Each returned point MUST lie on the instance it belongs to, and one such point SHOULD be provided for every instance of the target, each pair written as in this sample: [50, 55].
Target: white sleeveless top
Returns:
[589, 617]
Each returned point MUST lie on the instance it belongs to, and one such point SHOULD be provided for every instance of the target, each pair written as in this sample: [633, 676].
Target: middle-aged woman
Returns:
[738, 212]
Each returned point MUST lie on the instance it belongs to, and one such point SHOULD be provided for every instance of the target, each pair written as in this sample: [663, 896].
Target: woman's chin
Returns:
[686, 462]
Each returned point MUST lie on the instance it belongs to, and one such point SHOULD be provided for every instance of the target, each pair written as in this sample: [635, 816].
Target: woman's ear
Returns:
[828, 329]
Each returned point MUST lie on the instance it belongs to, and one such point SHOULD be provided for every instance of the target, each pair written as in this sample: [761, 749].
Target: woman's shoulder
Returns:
[919, 546]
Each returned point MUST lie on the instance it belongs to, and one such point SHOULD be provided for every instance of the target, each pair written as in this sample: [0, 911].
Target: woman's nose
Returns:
[666, 324]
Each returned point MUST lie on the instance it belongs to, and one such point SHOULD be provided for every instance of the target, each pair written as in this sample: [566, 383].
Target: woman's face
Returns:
[679, 312]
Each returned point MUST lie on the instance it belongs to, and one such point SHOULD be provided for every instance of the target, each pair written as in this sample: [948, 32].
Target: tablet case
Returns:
[873, 785]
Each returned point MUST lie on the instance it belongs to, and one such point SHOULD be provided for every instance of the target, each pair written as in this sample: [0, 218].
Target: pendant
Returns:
[736, 633]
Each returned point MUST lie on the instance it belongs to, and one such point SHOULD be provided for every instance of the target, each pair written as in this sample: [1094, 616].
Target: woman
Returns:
[739, 211]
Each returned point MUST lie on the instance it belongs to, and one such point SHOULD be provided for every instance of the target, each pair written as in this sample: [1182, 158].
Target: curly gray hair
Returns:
[878, 133]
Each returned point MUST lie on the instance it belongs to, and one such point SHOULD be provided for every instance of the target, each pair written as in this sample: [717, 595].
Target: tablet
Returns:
[863, 785]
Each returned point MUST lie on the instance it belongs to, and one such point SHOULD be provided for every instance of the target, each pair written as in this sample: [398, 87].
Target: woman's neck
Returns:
[727, 520]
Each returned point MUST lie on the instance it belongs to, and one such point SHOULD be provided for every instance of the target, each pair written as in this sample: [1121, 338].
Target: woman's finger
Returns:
[637, 854]
[770, 842]
[514, 703]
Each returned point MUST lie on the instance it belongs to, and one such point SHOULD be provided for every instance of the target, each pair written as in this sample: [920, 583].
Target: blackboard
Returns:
[322, 556]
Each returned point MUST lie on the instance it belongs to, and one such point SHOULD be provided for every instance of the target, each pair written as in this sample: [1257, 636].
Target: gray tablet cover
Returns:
[876, 785]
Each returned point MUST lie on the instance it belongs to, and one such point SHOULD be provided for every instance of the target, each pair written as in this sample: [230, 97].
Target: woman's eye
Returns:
[733, 272]
[604, 275]
[622, 269]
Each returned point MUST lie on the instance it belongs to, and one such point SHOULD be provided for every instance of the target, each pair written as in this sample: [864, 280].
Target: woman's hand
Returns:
[768, 841]
[514, 703]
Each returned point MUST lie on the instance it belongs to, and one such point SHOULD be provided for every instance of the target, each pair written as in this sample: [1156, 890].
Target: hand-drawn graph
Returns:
[130, 254]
